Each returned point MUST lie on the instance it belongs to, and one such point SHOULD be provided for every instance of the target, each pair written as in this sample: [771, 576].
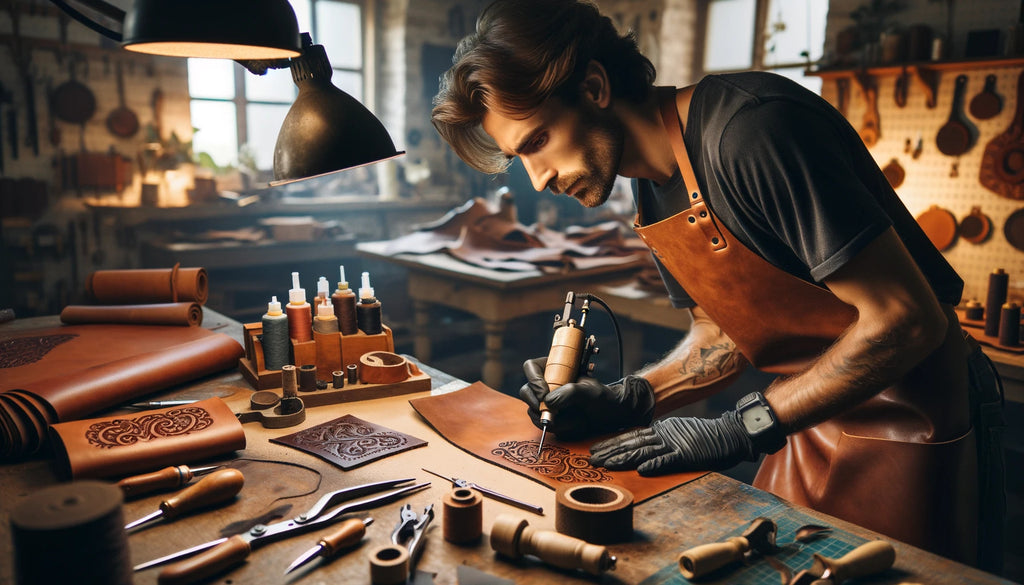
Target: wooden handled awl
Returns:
[701, 560]
[867, 559]
[219, 486]
[514, 538]
[165, 479]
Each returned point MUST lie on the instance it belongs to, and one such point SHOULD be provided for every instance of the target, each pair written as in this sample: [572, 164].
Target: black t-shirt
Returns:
[791, 179]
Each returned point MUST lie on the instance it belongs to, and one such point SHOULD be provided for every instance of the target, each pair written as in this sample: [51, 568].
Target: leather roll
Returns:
[121, 445]
[157, 285]
[183, 313]
[385, 367]
[596, 513]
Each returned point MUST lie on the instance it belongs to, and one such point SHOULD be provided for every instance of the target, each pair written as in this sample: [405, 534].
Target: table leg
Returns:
[494, 371]
[421, 330]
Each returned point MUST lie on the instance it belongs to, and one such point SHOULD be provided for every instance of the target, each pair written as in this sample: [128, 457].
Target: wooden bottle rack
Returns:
[330, 352]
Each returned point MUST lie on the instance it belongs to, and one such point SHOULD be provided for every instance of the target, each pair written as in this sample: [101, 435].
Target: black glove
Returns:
[587, 407]
[678, 444]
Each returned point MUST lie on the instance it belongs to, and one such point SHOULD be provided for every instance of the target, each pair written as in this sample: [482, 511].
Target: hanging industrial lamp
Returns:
[326, 130]
[223, 29]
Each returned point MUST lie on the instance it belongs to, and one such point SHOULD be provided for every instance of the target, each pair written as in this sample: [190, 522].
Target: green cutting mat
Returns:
[796, 556]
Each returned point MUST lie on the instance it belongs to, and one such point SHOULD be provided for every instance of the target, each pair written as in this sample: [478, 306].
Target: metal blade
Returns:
[144, 520]
[304, 558]
[540, 446]
[451, 479]
[181, 553]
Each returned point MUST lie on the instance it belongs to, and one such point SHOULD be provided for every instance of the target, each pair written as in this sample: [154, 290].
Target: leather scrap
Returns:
[184, 313]
[495, 427]
[127, 444]
[350, 442]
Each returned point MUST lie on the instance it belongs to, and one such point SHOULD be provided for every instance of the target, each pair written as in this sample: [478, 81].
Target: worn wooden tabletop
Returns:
[702, 511]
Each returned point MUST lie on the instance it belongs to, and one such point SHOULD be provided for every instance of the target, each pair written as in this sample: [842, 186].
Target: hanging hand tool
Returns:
[865, 560]
[167, 478]
[569, 356]
[462, 483]
[348, 534]
[215, 488]
[223, 553]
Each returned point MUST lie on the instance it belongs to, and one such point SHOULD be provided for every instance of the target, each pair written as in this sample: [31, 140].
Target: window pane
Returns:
[211, 78]
[349, 82]
[275, 86]
[795, 26]
[264, 123]
[302, 14]
[216, 132]
[812, 83]
[730, 35]
[339, 28]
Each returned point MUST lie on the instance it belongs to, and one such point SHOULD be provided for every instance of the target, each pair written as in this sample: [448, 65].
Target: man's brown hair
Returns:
[522, 53]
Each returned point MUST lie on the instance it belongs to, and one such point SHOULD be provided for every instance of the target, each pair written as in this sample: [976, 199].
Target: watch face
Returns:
[756, 419]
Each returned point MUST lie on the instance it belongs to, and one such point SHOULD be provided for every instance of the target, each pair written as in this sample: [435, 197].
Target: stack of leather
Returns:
[163, 296]
[478, 235]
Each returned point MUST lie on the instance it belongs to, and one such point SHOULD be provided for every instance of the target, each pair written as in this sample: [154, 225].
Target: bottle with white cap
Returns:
[345, 306]
[323, 290]
[274, 338]
[325, 321]
[368, 310]
[300, 314]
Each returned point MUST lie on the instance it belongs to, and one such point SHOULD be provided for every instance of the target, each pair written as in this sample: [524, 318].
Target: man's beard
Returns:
[602, 154]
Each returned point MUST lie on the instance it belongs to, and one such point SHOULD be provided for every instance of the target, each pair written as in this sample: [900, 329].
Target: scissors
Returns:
[223, 553]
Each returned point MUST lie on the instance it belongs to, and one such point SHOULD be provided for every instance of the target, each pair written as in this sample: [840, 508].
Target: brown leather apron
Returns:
[903, 462]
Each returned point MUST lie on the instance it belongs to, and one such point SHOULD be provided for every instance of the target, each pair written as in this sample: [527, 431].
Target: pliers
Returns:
[409, 530]
[218, 555]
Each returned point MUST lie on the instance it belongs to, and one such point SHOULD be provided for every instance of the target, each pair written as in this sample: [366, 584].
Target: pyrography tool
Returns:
[569, 357]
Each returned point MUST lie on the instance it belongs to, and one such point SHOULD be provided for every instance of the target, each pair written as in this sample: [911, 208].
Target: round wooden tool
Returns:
[987, 104]
[976, 227]
[122, 121]
[939, 225]
[1002, 165]
[1013, 229]
[894, 173]
[954, 138]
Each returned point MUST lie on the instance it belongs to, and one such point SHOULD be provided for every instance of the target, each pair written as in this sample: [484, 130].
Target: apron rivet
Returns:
[691, 219]
[694, 195]
[703, 214]
[714, 241]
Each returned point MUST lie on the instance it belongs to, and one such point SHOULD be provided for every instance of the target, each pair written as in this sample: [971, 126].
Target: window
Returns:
[773, 35]
[232, 108]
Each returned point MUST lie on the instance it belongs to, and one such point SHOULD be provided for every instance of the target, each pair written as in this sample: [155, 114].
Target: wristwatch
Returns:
[759, 420]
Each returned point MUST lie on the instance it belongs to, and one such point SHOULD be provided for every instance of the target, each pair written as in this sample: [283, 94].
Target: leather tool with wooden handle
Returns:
[703, 559]
[867, 559]
[514, 538]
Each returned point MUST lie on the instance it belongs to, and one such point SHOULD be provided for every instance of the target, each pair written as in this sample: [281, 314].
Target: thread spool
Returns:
[352, 371]
[344, 299]
[998, 283]
[325, 320]
[71, 533]
[338, 378]
[974, 311]
[389, 565]
[368, 311]
[274, 338]
[307, 378]
[1009, 325]
[597, 513]
[300, 313]
[289, 385]
[463, 515]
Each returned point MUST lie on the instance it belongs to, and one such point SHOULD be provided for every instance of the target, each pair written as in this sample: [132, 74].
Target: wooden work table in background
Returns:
[702, 511]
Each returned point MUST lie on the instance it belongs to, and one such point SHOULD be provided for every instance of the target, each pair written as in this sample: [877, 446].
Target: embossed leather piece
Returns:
[60, 374]
[349, 441]
[150, 285]
[121, 445]
[495, 427]
[154, 314]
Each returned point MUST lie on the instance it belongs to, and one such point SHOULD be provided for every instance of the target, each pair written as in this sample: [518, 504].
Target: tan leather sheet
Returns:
[495, 427]
[59, 374]
[149, 285]
[117, 446]
[155, 314]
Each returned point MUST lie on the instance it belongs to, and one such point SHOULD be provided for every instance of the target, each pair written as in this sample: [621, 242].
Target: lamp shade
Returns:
[326, 130]
[224, 29]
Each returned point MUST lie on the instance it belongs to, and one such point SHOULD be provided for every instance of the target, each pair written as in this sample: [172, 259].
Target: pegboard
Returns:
[928, 179]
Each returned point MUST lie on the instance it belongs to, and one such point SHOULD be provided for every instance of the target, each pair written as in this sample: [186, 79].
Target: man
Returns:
[769, 218]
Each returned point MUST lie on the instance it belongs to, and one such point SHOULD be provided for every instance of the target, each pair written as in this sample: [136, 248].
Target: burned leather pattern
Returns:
[349, 441]
[22, 351]
[555, 462]
[122, 432]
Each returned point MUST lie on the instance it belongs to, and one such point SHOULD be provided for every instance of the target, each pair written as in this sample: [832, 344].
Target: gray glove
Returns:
[678, 444]
[587, 407]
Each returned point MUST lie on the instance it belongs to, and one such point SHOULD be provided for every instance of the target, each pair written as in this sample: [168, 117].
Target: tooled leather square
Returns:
[349, 441]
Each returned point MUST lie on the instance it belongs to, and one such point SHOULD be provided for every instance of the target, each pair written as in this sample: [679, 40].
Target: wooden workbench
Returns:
[698, 512]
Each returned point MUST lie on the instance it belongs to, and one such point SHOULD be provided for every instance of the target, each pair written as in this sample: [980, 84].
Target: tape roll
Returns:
[463, 515]
[389, 565]
[596, 513]
[82, 523]
[384, 367]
